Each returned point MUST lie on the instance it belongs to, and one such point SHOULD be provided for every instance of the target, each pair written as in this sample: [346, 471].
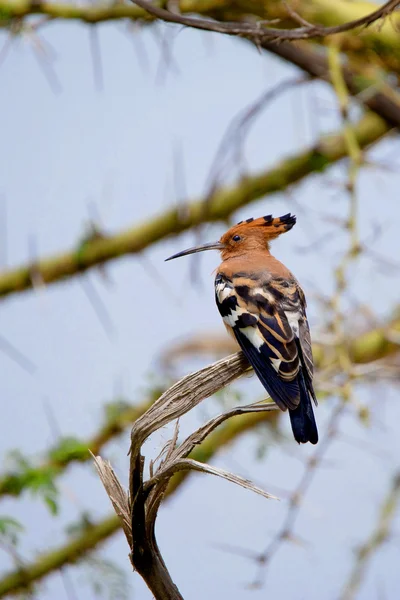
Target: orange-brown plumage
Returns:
[255, 234]
[264, 308]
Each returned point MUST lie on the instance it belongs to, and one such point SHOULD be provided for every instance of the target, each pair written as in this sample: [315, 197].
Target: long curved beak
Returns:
[210, 246]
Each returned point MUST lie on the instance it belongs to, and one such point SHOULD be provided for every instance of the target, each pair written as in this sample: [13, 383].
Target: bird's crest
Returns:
[272, 225]
[255, 234]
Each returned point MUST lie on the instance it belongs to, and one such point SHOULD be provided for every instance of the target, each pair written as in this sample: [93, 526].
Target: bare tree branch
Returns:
[13, 15]
[90, 253]
[116, 493]
[368, 91]
[138, 511]
[259, 32]
[98, 532]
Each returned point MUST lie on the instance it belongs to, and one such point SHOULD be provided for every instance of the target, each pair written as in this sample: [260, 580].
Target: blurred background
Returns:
[123, 141]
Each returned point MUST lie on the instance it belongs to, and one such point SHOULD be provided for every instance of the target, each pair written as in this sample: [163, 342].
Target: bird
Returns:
[264, 308]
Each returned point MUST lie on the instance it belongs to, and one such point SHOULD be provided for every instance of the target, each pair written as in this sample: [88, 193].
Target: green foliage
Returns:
[69, 448]
[5, 14]
[9, 530]
[40, 481]
[113, 410]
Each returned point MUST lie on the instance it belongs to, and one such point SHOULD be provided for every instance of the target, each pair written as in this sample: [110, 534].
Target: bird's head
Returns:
[247, 236]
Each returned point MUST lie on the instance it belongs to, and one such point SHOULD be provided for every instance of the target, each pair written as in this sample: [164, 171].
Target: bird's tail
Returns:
[302, 418]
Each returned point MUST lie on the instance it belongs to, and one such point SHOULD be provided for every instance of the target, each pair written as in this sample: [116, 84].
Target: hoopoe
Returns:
[264, 308]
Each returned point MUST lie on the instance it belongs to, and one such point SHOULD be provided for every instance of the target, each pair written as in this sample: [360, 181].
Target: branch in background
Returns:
[379, 45]
[229, 154]
[383, 343]
[378, 537]
[369, 91]
[98, 533]
[28, 574]
[342, 15]
[71, 450]
[372, 345]
[377, 343]
[312, 62]
[328, 150]
[18, 580]
[374, 46]
[285, 532]
[260, 31]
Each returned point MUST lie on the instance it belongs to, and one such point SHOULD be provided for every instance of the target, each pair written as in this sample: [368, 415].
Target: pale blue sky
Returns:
[115, 148]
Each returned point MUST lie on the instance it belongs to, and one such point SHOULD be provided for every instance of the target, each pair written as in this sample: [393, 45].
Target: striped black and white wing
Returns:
[267, 317]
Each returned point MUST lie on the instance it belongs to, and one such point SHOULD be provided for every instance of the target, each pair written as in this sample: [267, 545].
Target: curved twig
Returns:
[258, 32]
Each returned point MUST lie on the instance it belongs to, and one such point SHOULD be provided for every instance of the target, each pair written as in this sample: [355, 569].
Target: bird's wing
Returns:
[269, 322]
[304, 340]
[294, 305]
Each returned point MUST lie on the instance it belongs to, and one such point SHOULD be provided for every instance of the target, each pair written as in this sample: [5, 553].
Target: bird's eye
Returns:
[236, 238]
